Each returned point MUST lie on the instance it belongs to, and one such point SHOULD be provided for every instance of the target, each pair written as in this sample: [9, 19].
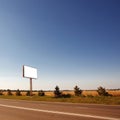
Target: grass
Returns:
[110, 100]
[88, 96]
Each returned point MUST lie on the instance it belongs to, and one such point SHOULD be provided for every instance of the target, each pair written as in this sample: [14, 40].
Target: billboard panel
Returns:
[29, 72]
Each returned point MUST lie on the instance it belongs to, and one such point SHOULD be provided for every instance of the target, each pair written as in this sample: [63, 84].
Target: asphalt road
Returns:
[30, 110]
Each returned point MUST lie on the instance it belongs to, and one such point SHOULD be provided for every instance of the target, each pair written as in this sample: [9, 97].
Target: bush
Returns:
[9, 92]
[77, 91]
[28, 93]
[18, 93]
[102, 91]
[57, 92]
[1, 93]
[66, 95]
[41, 93]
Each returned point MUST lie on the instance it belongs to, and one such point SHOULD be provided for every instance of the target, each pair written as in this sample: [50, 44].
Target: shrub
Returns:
[18, 93]
[102, 91]
[41, 93]
[28, 93]
[1, 93]
[9, 92]
[66, 95]
[57, 92]
[77, 91]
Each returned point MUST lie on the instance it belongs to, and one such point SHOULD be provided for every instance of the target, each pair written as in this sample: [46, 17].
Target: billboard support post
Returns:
[31, 73]
[30, 86]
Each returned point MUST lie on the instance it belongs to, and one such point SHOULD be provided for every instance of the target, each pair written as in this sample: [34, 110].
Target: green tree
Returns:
[28, 93]
[9, 92]
[77, 91]
[1, 92]
[57, 92]
[18, 93]
[102, 91]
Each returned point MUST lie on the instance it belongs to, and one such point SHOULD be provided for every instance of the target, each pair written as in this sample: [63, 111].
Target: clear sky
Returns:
[70, 42]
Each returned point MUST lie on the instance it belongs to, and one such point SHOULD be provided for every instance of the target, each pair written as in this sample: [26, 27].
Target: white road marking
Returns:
[63, 113]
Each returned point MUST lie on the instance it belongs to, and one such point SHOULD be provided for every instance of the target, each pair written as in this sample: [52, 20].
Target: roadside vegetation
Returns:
[18, 92]
[9, 92]
[99, 96]
[41, 93]
[77, 91]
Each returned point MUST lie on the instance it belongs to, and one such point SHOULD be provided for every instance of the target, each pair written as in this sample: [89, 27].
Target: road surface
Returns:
[31, 110]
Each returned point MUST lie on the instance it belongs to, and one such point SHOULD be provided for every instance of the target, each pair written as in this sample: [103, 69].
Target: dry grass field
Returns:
[114, 92]
[88, 96]
[90, 92]
[85, 93]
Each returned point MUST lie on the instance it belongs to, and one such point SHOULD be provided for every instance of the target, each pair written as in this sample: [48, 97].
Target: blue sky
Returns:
[70, 42]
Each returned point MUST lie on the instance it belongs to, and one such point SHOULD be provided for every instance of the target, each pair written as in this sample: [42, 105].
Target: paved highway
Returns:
[31, 110]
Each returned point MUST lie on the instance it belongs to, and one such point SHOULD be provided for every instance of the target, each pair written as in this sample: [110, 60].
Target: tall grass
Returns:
[74, 99]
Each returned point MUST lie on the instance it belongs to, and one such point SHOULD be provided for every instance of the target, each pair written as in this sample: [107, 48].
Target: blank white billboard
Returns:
[29, 72]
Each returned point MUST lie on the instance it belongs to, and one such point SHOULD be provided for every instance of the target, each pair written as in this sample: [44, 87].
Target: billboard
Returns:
[29, 72]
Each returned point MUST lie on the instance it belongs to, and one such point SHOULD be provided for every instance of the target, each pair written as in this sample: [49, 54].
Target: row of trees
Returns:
[18, 93]
[78, 92]
[57, 93]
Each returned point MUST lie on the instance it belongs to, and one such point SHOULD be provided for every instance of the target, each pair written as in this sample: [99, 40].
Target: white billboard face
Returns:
[29, 72]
